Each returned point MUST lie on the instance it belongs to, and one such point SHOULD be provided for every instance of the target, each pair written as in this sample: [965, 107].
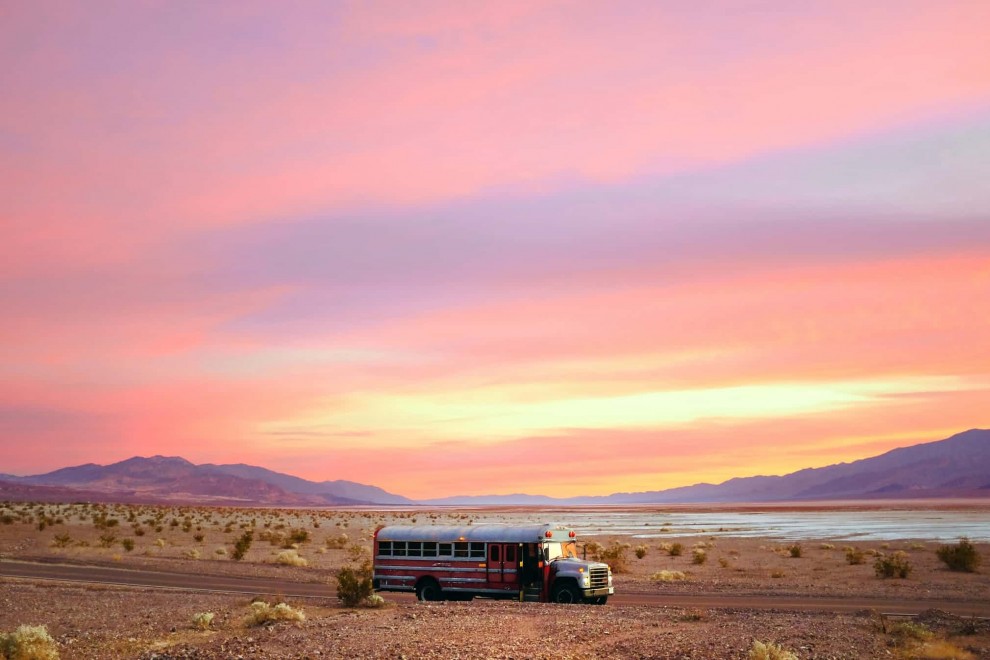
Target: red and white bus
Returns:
[532, 562]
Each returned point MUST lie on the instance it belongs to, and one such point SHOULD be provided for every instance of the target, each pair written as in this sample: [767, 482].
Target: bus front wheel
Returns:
[565, 593]
[428, 590]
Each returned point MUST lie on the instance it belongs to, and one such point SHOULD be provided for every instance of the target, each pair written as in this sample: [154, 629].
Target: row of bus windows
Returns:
[430, 549]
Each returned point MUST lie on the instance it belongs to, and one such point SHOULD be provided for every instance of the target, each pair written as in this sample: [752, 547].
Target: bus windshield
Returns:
[556, 550]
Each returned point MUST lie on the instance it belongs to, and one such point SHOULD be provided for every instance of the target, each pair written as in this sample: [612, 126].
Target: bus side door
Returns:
[503, 563]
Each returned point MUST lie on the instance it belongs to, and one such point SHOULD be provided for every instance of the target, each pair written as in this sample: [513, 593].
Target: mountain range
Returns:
[958, 466]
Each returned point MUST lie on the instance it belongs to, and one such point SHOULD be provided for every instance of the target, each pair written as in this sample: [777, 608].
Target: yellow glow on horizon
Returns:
[490, 414]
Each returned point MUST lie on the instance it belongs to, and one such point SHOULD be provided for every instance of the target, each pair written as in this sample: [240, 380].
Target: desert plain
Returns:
[700, 595]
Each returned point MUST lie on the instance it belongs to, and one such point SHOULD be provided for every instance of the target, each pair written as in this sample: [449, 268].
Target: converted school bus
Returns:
[532, 563]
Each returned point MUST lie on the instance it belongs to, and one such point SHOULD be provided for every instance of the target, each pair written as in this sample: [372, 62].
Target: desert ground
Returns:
[104, 621]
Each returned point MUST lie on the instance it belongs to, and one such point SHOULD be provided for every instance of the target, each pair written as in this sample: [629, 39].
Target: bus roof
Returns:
[476, 533]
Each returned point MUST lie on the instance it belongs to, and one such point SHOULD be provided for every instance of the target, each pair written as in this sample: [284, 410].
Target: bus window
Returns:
[461, 549]
[385, 548]
[478, 550]
[429, 549]
[445, 549]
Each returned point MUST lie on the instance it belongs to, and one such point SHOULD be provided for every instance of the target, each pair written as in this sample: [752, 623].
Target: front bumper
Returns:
[595, 593]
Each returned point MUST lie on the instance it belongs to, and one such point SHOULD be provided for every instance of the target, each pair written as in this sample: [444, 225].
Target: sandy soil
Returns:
[110, 622]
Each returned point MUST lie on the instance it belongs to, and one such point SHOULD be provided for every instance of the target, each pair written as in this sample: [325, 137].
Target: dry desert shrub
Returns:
[940, 650]
[614, 556]
[698, 556]
[960, 557]
[291, 558]
[262, 613]
[668, 576]
[241, 545]
[855, 556]
[895, 565]
[769, 651]
[203, 620]
[28, 643]
[337, 542]
[676, 550]
[62, 541]
[354, 584]
[795, 551]
[827, 546]
[640, 551]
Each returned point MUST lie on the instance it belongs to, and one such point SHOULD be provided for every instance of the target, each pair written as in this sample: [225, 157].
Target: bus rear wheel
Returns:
[429, 590]
[566, 594]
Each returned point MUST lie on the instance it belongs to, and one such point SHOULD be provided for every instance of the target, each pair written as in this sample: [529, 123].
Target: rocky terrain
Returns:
[100, 621]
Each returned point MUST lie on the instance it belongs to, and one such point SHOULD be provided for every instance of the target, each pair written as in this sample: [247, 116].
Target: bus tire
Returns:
[565, 593]
[428, 590]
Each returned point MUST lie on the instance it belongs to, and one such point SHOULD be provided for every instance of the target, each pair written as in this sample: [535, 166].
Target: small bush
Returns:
[62, 541]
[128, 544]
[827, 546]
[290, 558]
[960, 557]
[203, 620]
[262, 613]
[298, 536]
[795, 551]
[769, 651]
[895, 565]
[615, 556]
[28, 643]
[354, 584]
[160, 543]
[192, 553]
[375, 601]
[723, 562]
[911, 630]
[198, 538]
[668, 576]
[337, 542]
[241, 545]
[676, 550]
[108, 540]
[855, 556]
[640, 551]
[698, 556]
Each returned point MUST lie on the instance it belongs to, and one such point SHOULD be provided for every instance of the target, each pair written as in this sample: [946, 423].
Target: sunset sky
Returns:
[470, 248]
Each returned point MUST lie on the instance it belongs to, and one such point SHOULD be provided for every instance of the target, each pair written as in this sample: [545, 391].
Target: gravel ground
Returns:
[125, 622]
[119, 622]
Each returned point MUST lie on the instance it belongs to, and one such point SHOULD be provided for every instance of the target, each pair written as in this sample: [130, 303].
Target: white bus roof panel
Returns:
[475, 533]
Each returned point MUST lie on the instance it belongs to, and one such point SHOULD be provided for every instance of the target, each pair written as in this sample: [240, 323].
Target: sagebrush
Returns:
[262, 613]
[769, 651]
[960, 557]
[28, 643]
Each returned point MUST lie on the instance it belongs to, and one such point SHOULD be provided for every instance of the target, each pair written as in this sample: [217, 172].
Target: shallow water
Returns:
[852, 524]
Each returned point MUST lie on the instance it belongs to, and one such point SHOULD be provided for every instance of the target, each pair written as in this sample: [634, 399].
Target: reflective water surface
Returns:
[939, 522]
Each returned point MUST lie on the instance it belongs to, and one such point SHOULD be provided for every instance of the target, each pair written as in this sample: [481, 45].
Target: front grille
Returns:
[599, 577]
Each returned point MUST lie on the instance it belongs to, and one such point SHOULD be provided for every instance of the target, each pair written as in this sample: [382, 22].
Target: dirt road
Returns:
[262, 586]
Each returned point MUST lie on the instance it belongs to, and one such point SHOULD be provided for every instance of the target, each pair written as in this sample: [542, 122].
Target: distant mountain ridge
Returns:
[172, 478]
[958, 466]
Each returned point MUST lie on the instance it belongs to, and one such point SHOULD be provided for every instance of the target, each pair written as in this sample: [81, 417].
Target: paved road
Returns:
[262, 586]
